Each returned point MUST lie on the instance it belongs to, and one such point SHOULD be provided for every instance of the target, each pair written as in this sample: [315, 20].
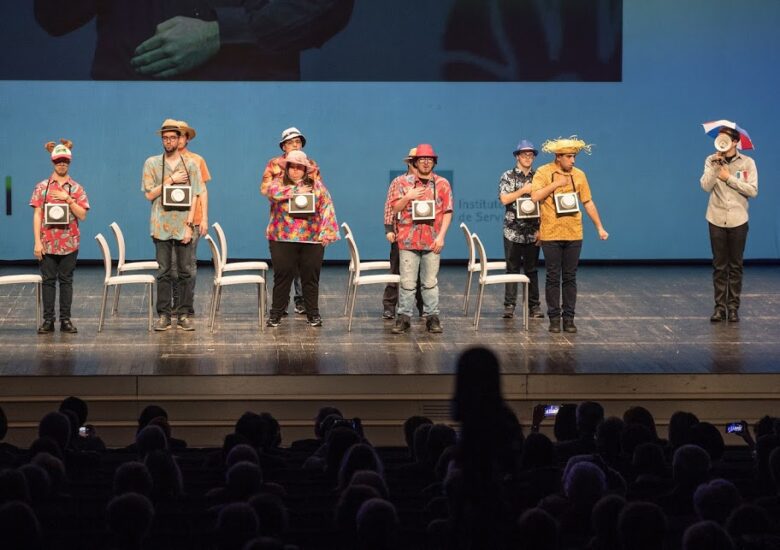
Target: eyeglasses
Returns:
[170, 138]
[526, 154]
[425, 159]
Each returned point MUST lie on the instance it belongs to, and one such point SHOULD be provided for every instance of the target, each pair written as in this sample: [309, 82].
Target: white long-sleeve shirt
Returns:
[728, 205]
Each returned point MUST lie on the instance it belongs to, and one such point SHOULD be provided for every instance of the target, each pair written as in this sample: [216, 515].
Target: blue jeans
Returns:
[183, 258]
[426, 264]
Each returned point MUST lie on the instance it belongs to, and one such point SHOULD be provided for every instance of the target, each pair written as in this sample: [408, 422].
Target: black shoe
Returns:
[433, 324]
[67, 326]
[718, 316]
[536, 313]
[509, 312]
[273, 322]
[46, 327]
[185, 323]
[300, 308]
[402, 324]
[568, 326]
[163, 323]
[285, 313]
[733, 316]
[555, 325]
[315, 320]
[388, 314]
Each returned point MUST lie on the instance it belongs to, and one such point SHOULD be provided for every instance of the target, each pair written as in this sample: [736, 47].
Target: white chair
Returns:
[364, 266]
[23, 280]
[503, 278]
[359, 280]
[474, 266]
[252, 265]
[119, 280]
[221, 280]
[122, 266]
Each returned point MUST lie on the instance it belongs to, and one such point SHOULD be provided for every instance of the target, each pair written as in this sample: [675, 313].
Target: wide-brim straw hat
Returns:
[410, 156]
[566, 146]
[188, 130]
[296, 157]
[170, 125]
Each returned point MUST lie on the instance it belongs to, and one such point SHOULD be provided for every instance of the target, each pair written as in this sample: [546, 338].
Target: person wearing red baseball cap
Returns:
[420, 242]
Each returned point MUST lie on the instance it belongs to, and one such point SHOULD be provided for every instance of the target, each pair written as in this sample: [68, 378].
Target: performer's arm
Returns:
[38, 246]
[593, 213]
[749, 187]
[203, 199]
[710, 175]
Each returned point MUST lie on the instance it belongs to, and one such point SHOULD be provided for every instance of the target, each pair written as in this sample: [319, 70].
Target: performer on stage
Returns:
[170, 227]
[57, 245]
[420, 242]
[521, 247]
[390, 297]
[731, 179]
[292, 140]
[298, 241]
[556, 186]
[201, 220]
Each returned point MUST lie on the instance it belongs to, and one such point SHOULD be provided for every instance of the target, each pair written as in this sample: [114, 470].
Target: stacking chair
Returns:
[474, 266]
[503, 278]
[357, 279]
[252, 265]
[221, 280]
[122, 266]
[119, 280]
[23, 280]
[364, 266]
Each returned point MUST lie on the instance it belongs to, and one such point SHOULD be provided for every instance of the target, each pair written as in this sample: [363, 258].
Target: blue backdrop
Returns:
[683, 63]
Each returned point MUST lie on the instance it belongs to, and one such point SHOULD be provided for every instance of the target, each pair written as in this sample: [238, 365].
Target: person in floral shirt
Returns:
[297, 242]
[57, 246]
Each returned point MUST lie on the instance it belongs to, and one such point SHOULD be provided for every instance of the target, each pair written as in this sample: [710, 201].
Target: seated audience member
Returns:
[419, 453]
[584, 484]
[19, 527]
[345, 518]
[538, 474]
[749, 521]
[236, 525]
[565, 425]
[608, 444]
[652, 477]
[8, 452]
[149, 413]
[372, 479]
[259, 432]
[339, 441]
[265, 543]
[709, 438]
[680, 424]
[765, 445]
[605, 523]
[642, 526]
[311, 445]
[150, 438]
[690, 468]
[706, 535]
[13, 486]
[410, 427]
[241, 453]
[634, 435]
[56, 426]
[377, 525]
[536, 529]
[589, 415]
[173, 443]
[272, 515]
[216, 459]
[55, 469]
[129, 517]
[133, 477]
[358, 457]
[640, 415]
[90, 442]
[772, 503]
[715, 500]
[166, 476]
[38, 483]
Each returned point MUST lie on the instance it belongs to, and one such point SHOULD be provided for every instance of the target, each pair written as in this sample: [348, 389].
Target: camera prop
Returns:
[526, 208]
[301, 204]
[177, 196]
[423, 211]
[566, 203]
[56, 214]
[722, 143]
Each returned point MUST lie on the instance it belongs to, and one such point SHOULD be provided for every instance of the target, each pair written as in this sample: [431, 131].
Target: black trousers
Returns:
[560, 262]
[525, 256]
[290, 259]
[728, 248]
[56, 267]
[390, 297]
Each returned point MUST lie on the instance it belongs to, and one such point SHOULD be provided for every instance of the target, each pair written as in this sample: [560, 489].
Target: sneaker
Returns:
[509, 312]
[163, 323]
[388, 314]
[273, 322]
[536, 313]
[733, 316]
[433, 324]
[67, 326]
[718, 315]
[555, 325]
[314, 320]
[285, 313]
[185, 323]
[568, 326]
[402, 324]
[300, 308]
[46, 327]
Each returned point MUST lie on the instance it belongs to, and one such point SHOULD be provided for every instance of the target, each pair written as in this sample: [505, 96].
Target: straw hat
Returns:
[296, 157]
[410, 156]
[170, 125]
[187, 130]
[566, 146]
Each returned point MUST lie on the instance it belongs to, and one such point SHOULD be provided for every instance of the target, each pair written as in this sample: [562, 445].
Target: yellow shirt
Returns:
[554, 226]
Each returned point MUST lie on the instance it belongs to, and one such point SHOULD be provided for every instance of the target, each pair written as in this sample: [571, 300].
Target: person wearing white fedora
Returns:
[297, 241]
[731, 179]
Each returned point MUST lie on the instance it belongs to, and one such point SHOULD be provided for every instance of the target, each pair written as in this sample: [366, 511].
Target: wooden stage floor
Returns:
[631, 319]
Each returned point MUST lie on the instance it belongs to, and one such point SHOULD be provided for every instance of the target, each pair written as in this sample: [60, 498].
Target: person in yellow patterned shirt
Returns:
[560, 188]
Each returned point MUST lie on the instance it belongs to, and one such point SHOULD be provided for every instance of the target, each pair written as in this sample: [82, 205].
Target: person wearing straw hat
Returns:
[201, 220]
[731, 179]
[420, 242]
[521, 248]
[292, 140]
[57, 246]
[390, 296]
[297, 243]
[171, 229]
[561, 225]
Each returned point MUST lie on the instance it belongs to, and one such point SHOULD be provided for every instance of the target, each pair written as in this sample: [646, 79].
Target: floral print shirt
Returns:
[320, 227]
[59, 239]
[419, 235]
[522, 231]
[168, 224]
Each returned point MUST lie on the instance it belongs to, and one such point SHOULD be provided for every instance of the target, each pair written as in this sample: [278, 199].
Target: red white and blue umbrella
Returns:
[712, 129]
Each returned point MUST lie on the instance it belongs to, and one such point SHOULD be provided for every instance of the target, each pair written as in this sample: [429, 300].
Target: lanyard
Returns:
[46, 192]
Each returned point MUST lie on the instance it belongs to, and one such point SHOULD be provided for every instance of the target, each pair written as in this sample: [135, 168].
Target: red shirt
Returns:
[59, 239]
[421, 235]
